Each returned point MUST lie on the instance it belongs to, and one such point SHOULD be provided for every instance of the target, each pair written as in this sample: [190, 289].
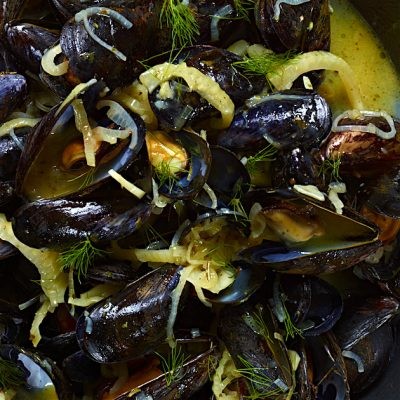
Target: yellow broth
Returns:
[354, 41]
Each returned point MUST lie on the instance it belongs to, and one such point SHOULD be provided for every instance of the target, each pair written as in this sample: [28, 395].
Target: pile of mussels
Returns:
[121, 201]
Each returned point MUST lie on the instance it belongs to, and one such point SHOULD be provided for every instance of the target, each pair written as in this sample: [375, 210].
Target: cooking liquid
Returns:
[353, 40]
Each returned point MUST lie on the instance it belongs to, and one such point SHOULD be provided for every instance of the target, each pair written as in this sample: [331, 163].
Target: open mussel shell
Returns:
[311, 302]
[59, 223]
[40, 376]
[197, 356]
[46, 171]
[228, 176]
[286, 26]
[132, 322]
[247, 281]
[189, 182]
[275, 119]
[310, 239]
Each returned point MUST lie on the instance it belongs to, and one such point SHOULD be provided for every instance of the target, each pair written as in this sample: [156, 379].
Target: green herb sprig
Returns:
[243, 8]
[261, 386]
[80, 257]
[172, 364]
[330, 167]
[181, 19]
[264, 64]
[11, 376]
[268, 153]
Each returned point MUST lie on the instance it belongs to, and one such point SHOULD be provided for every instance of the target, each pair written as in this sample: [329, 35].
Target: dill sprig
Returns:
[181, 19]
[11, 375]
[166, 173]
[243, 7]
[261, 386]
[264, 64]
[80, 257]
[257, 323]
[172, 364]
[330, 168]
[268, 153]
[291, 330]
[236, 202]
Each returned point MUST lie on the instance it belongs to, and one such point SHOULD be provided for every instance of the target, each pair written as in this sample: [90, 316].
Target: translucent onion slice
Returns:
[204, 85]
[284, 77]
[116, 16]
[368, 128]
[121, 117]
[48, 64]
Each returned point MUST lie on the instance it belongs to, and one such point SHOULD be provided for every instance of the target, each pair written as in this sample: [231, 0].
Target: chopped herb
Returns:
[172, 364]
[182, 20]
[257, 323]
[261, 386]
[167, 174]
[11, 375]
[290, 328]
[264, 64]
[268, 153]
[80, 257]
[330, 169]
[236, 202]
[243, 7]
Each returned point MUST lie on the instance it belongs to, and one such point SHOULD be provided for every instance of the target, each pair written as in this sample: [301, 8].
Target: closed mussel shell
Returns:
[285, 119]
[196, 359]
[248, 332]
[13, 91]
[132, 322]
[60, 223]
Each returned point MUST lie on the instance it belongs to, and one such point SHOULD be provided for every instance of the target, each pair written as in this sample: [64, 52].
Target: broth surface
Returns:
[354, 41]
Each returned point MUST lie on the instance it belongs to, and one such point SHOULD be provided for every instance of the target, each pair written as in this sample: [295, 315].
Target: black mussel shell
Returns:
[329, 370]
[88, 59]
[285, 26]
[13, 91]
[363, 154]
[286, 120]
[228, 176]
[247, 331]
[311, 302]
[28, 41]
[371, 357]
[201, 356]
[247, 281]
[363, 316]
[60, 223]
[217, 63]
[132, 322]
[294, 167]
[385, 195]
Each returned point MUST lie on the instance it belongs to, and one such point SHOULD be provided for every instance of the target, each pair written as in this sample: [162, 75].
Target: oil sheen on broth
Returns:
[355, 42]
